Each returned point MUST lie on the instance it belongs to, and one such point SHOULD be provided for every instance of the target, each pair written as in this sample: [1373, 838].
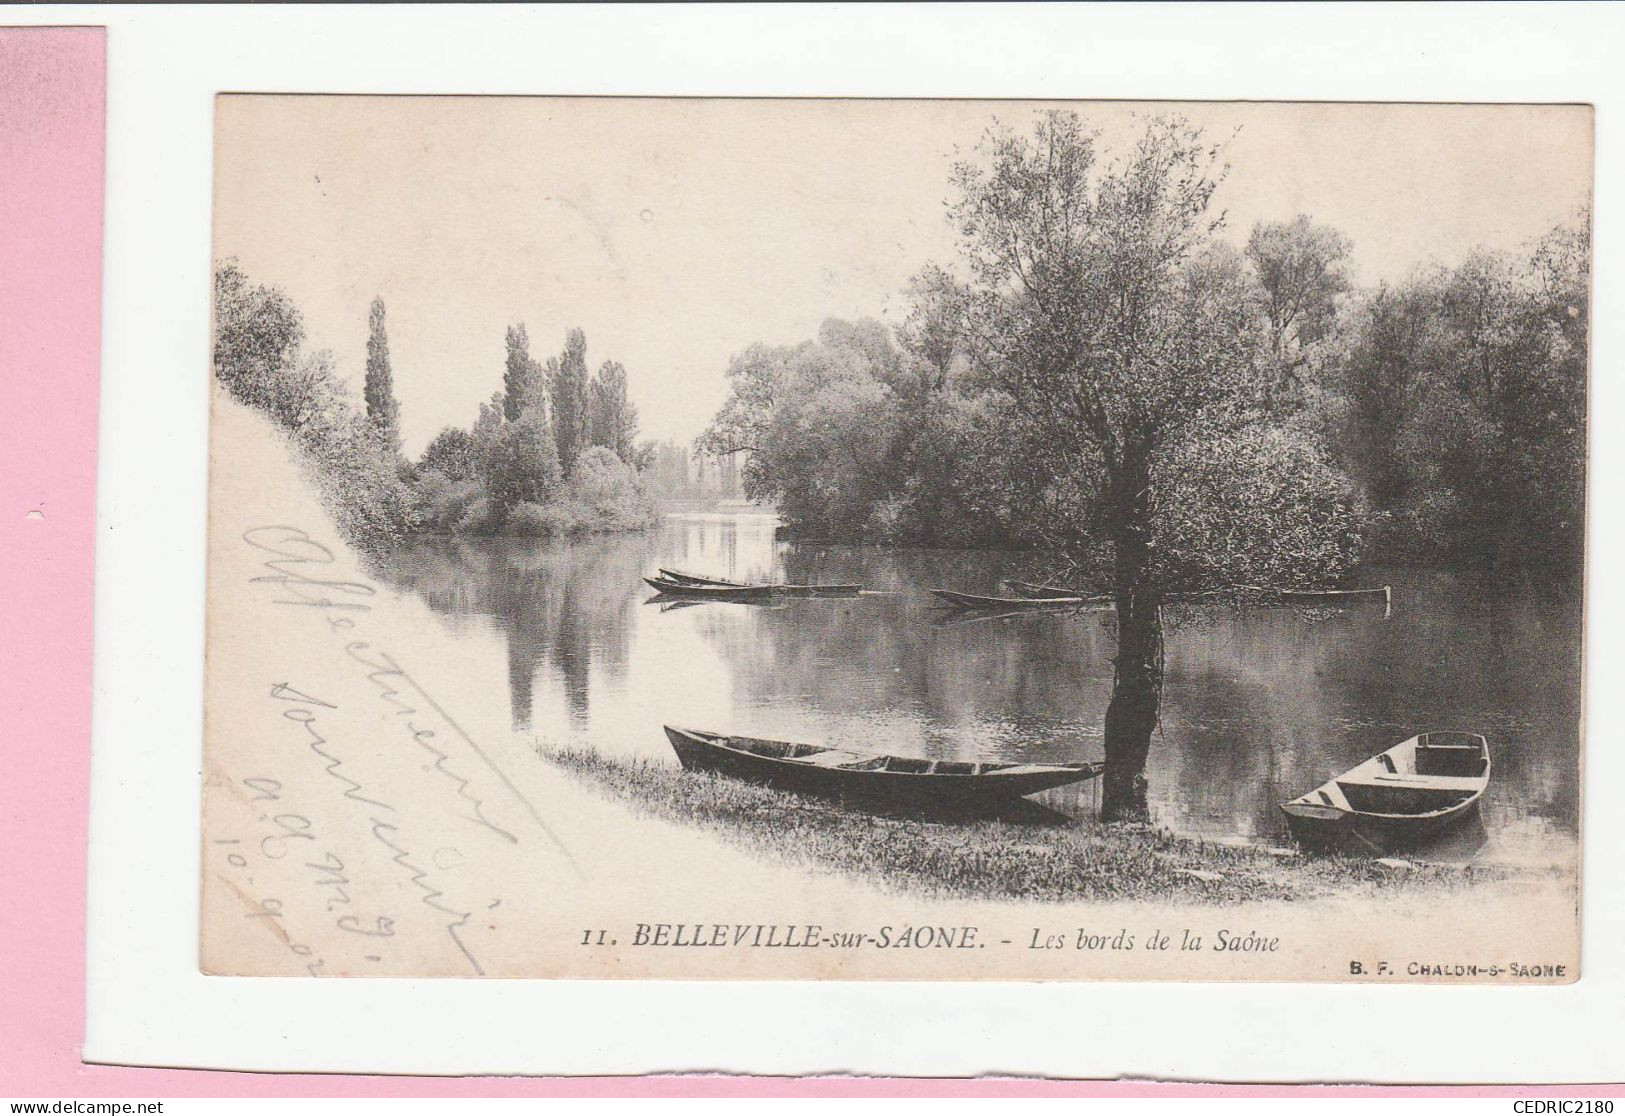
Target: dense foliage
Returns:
[1102, 377]
[1458, 401]
[504, 475]
[259, 357]
[1287, 423]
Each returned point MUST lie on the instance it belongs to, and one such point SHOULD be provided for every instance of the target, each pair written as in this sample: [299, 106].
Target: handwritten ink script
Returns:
[353, 817]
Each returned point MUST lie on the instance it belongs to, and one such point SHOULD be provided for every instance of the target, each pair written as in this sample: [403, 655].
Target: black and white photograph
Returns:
[896, 539]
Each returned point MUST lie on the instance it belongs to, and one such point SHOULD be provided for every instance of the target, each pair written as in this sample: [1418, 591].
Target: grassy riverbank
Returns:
[1045, 860]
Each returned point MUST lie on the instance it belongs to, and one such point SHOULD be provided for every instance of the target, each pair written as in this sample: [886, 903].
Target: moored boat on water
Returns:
[851, 590]
[845, 773]
[695, 579]
[1328, 596]
[679, 578]
[710, 592]
[972, 600]
[1403, 797]
[1033, 590]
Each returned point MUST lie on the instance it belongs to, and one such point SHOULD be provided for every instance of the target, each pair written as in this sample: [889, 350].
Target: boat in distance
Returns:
[1402, 797]
[695, 579]
[678, 577]
[971, 600]
[844, 773]
[1333, 596]
[711, 592]
[1032, 589]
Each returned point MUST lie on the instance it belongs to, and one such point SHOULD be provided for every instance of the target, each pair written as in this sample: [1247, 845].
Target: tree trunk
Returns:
[1136, 701]
[1134, 709]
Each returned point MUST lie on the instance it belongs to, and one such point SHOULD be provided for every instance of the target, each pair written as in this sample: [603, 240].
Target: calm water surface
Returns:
[1260, 703]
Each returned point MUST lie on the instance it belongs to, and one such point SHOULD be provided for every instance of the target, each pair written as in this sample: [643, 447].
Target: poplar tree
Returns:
[383, 412]
[569, 387]
[522, 376]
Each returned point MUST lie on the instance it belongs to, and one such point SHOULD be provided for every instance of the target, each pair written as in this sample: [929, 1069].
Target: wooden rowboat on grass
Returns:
[1403, 797]
[845, 773]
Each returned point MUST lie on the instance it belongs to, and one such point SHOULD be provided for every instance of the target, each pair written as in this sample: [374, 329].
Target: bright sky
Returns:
[678, 232]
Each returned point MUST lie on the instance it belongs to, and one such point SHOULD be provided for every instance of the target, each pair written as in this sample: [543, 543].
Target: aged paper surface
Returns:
[464, 350]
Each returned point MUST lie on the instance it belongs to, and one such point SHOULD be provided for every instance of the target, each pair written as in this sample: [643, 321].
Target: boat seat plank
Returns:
[1420, 782]
[831, 759]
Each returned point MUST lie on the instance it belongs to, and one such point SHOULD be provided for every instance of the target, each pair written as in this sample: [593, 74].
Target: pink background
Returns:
[52, 123]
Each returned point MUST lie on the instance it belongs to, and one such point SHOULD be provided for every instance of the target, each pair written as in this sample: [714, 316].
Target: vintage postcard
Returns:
[895, 540]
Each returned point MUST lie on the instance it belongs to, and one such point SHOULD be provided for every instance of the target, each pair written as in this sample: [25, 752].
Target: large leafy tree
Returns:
[1553, 425]
[818, 424]
[451, 453]
[515, 462]
[612, 417]
[1386, 356]
[1463, 405]
[257, 336]
[933, 333]
[1129, 343]
[259, 357]
[521, 464]
[1302, 272]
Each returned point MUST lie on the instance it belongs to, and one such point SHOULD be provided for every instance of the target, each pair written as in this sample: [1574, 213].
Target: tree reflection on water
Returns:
[1259, 703]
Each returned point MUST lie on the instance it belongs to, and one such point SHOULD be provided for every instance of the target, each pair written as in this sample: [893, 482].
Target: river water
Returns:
[1260, 704]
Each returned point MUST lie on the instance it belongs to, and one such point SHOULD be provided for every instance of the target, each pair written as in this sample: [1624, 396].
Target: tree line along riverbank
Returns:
[554, 453]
